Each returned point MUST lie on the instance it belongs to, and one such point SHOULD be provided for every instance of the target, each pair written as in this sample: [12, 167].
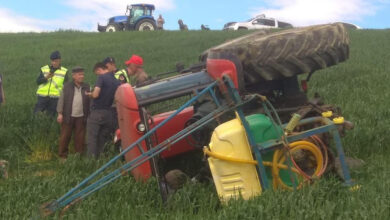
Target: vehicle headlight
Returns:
[141, 127]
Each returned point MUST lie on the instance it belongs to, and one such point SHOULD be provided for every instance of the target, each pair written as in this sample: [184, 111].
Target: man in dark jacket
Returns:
[100, 122]
[73, 111]
[50, 82]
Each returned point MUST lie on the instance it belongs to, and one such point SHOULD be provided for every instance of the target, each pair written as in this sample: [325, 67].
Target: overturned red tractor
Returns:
[260, 63]
[243, 108]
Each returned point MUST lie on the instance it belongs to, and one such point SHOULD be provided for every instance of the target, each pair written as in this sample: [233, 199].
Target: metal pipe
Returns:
[146, 155]
[188, 103]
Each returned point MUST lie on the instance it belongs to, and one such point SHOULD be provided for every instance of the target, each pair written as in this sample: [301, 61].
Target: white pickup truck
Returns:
[258, 22]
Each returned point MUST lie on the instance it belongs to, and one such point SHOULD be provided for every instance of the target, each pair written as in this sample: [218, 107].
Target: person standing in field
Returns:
[160, 22]
[73, 110]
[99, 123]
[2, 95]
[182, 26]
[121, 75]
[136, 71]
[50, 82]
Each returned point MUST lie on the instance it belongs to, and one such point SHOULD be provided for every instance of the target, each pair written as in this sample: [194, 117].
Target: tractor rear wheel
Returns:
[146, 25]
[112, 28]
[287, 53]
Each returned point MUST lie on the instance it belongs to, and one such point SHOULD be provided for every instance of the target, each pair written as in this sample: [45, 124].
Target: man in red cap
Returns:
[135, 70]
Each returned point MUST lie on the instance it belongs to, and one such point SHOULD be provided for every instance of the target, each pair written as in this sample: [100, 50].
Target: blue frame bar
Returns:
[260, 167]
[72, 196]
[54, 205]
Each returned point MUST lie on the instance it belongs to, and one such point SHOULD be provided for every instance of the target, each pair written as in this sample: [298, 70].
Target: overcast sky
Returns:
[49, 15]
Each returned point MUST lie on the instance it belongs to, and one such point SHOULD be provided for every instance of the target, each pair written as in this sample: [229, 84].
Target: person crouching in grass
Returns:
[73, 110]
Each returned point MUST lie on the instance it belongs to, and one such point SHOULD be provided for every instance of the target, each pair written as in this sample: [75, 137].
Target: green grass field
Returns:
[359, 86]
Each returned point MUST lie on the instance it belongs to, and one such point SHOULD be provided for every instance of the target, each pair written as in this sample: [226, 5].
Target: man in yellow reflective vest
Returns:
[120, 75]
[50, 83]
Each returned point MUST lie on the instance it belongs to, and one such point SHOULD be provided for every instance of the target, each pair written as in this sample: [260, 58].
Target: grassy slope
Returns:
[359, 87]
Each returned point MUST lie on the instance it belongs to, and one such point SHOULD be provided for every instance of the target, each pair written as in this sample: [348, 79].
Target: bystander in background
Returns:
[73, 111]
[160, 22]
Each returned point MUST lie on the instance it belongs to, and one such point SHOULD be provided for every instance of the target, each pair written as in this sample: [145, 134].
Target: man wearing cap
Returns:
[100, 122]
[121, 75]
[73, 110]
[50, 83]
[135, 70]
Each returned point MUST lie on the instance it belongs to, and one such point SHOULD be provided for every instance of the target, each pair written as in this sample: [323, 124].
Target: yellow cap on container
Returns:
[327, 114]
[338, 120]
[355, 188]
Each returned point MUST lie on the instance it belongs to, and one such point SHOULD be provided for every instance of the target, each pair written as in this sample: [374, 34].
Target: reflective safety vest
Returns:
[53, 86]
[124, 73]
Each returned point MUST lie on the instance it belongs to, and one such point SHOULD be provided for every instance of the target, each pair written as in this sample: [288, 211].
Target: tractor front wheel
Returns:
[112, 28]
[146, 25]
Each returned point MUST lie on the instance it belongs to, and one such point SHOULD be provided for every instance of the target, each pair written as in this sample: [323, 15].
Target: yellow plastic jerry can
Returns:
[233, 179]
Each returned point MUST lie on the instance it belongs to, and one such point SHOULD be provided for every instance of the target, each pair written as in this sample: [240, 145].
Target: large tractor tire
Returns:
[269, 56]
[146, 25]
[112, 28]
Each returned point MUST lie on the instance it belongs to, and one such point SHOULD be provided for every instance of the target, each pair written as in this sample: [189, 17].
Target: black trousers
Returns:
[114, 119]
[46, 104]
[99, 131]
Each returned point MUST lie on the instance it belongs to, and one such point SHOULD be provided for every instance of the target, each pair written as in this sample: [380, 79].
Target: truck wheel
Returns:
[146, 25]
[287, 53]
[112, 28]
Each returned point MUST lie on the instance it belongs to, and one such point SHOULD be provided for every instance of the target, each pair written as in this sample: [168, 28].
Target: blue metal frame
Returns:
[82, 190]
[327, 127]
[260, 167]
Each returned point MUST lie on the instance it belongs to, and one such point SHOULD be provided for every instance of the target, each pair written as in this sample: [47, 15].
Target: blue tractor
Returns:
[138, 17]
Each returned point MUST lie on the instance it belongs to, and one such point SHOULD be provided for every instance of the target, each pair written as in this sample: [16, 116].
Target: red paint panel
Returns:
[171, 128]
[128, 117]
[217, 68]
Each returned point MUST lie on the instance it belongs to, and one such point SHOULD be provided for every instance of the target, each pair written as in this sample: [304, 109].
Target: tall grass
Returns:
[358, 86]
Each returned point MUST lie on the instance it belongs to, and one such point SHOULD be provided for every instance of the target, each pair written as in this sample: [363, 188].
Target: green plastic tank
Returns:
[263, 130]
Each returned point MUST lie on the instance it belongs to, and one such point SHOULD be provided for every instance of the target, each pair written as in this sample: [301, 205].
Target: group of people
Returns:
[183, 27]
[80, 109]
